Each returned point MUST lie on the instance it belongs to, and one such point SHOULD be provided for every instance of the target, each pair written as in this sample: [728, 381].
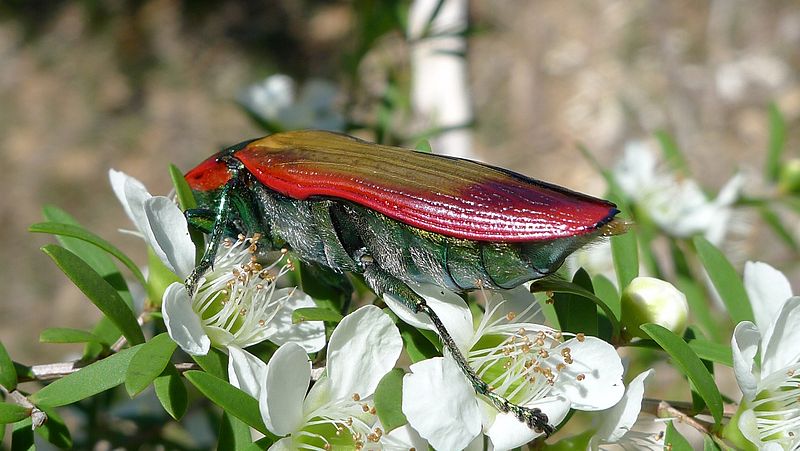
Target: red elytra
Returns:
[453, 197]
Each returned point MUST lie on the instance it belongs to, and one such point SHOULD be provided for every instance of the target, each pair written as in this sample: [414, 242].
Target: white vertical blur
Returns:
[439, 88]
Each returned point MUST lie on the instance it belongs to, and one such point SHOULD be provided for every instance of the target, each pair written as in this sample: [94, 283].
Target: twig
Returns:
[38, 417]
[51, 371]
[122, 341]
[677, 410]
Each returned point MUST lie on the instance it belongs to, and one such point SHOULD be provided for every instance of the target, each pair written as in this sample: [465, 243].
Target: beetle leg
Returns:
[217, 233]
[384, 283]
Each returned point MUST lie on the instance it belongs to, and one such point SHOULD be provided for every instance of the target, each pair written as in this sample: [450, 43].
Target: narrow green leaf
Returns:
[234, 434]
[577, 314]
[708, 444]
[80, 233]
[690, 365]
[2, 432]
[183, 192]
[605, 290]
[22, 436]
[11, 413]
[725, 279]
[672, 154]
[315, 314]
[417, 346]
[54, 430]
[561, 286]
[674, 441]
[107, 332]
[424, 146]
[91, 254]
[231, 399]
[777, 139]
[215, 363]
[88, 381]
[774, 222]
[715, 352]
[148, 363]
[67, 335]
[389, 399]
[100, 292]
[699, 308]
[8, 374]
[171, 392]
[626, 258]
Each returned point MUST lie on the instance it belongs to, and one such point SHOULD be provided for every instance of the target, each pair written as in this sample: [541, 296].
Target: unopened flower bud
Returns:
[651, 300]
[789, 176]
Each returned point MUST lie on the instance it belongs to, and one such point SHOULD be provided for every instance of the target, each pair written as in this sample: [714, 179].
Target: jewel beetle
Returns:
[396, 216]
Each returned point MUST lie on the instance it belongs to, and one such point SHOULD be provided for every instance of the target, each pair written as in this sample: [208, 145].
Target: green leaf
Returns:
[182, 191]
[774, 222]
[315, 314]
[674, 441]
[699, 308]
[11, 413]
[725, 279]
[708, 444]
[22, 436]
[777, 139]
[231, 399]
[690, 365]
[715, 352]
[54, 430]
[424, 146]
[148, 363]
[626, 258]
[67, 335]
[234, 434]
[107, 332]
[576, 313]
[8, 374]
[100, 292]
[171, 392]
[215, 363]
[88, 381]
[91, 254]
[605, 290]
[80, 233]
[561, 286]
[672, 154]
[389, 399]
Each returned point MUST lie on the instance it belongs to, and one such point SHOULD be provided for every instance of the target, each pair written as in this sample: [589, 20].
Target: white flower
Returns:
[338, 409]
[679, 207]
[621, 427]
[236, 303]
[275, 100]
[769, 415]
[525, 362]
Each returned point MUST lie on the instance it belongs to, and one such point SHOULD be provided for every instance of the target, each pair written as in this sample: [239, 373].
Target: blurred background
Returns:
[135, 85]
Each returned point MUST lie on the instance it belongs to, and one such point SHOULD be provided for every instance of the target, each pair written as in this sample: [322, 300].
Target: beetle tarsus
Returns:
[382, 282]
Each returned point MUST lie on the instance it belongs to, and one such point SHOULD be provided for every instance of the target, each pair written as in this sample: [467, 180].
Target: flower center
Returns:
[777, 407]
[238, 295]
[342, 424]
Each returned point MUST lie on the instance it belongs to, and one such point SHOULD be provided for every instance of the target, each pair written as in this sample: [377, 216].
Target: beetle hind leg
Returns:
[384, 283]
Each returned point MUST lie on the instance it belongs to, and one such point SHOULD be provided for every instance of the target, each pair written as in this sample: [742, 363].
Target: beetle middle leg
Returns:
[384, 283]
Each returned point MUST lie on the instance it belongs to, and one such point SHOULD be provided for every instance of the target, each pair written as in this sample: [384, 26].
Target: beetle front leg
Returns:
[217, 233]
[384, 283]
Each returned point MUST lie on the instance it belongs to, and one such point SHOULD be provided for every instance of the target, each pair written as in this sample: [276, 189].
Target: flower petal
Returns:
[781, 348]
[402, 438]
[440, 404]
[363, 347]
[593, 381]
[507, 432]
[450, 308]
[618, 421]
[284, 388]
[767, 289]
[308, 334]
[246, 371]
[744, 345]
[183, 324]
[131, 194]
[170, 233]
[284, 444]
